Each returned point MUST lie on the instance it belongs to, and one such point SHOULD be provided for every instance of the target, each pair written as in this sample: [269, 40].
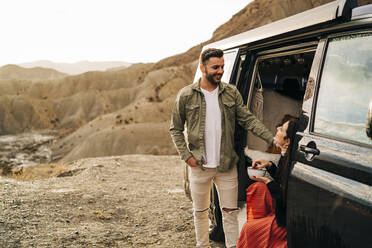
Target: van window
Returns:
[239, 68]
[345, 88]
[229, 57]
[277, 89]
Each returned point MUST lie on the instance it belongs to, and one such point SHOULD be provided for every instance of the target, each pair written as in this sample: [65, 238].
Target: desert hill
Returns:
[14, 72]
[78, 67]
[121, 111]
[140, 127]
[67, 103]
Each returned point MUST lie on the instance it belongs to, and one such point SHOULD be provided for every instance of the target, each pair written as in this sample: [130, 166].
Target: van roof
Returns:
[336, 10]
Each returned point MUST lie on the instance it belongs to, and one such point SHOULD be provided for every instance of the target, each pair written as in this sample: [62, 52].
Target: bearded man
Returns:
[210, 108]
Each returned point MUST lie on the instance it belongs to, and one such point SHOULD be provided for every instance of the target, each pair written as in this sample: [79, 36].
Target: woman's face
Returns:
[281, 139]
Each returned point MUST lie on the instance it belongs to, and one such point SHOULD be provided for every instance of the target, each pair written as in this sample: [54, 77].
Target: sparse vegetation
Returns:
[34, 172]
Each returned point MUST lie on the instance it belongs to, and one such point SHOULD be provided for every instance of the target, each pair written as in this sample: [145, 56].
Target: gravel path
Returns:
[127, 201]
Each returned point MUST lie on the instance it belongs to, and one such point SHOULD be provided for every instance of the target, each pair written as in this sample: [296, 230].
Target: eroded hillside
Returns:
[121, 111]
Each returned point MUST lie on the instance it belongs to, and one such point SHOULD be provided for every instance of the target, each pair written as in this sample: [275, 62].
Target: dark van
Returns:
[316, 66]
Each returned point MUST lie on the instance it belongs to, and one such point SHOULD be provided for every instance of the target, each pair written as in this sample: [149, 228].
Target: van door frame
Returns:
[245, 85]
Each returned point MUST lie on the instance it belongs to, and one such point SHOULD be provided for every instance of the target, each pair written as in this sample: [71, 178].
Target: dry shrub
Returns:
[101, 215]
[38, 171]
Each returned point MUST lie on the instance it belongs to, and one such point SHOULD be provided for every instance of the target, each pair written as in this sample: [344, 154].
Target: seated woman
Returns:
[266, 211]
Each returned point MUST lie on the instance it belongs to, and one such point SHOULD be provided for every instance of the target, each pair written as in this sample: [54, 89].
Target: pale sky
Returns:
[107, 30]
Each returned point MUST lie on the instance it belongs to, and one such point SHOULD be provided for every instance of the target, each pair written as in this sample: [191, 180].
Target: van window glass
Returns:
[240, 68]
[229, 58]
[345, 88]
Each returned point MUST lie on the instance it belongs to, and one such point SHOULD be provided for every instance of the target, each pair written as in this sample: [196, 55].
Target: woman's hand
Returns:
[264, 180]
[261, 163]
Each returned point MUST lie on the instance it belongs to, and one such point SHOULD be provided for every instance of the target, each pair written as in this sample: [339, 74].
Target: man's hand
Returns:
[260, 163]
[192, 162]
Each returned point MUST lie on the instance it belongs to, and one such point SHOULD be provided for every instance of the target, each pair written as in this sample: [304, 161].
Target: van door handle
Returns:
[310, 150]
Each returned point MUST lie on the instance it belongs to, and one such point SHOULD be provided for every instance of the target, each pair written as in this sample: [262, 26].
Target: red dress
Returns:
[261, 229]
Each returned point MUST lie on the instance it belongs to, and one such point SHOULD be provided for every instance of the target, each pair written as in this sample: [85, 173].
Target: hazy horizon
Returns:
[73, 68]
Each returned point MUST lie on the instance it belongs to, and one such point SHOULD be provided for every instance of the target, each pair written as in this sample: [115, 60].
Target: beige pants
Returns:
[227, 187]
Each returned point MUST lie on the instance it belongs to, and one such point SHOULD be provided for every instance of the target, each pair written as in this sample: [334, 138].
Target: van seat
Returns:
[275, 107]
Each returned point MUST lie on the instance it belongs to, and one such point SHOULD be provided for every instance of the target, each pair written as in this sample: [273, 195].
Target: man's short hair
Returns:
[209, 53]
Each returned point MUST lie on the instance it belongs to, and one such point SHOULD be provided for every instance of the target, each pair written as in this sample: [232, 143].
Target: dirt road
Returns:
[127, 201]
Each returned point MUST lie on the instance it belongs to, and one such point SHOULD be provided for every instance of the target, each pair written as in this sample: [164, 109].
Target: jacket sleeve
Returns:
[249, 122]
[178, 119]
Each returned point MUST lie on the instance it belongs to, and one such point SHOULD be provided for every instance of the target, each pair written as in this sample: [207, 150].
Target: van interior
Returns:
[277, 89]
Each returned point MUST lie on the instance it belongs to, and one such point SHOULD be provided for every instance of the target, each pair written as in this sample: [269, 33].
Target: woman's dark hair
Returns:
[209, 53]
[284, 169]
[292, 129]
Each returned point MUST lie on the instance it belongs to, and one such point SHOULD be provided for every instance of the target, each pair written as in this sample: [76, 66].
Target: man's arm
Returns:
[177, 127]
[249, 122]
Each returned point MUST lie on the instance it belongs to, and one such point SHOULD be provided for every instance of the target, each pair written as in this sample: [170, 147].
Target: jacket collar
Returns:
[196, 86]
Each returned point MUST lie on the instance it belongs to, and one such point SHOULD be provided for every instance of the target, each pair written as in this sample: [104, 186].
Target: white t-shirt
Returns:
[212, 132]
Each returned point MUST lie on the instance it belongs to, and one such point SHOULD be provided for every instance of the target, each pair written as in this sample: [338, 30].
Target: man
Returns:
[210, 108]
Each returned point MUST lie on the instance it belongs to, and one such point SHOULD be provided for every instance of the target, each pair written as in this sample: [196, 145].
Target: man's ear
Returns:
[202, 68]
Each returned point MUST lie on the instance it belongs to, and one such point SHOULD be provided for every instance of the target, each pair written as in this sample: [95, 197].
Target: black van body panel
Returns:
[329, 199]
[321, 216]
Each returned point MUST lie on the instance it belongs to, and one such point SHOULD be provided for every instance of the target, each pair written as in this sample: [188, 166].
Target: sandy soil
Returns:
[126, 201]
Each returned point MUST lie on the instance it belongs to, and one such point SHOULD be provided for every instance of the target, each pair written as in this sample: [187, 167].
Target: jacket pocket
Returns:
[229, 108]
[192, 118]
[192, 107]
[192, 113]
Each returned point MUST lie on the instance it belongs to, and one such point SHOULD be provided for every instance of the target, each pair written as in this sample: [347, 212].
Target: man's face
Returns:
[213, 69]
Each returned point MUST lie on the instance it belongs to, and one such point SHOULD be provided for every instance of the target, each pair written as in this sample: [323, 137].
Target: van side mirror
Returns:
[369, 120]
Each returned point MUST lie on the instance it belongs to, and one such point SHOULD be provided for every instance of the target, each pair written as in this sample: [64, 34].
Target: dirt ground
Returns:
[126, 201]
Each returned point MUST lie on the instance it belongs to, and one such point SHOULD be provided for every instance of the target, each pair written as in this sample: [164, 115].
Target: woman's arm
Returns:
[262, 163]
[275, 190]
[272, 169]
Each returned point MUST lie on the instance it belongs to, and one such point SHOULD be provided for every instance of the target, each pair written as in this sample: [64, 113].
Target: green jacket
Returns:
[190, 108]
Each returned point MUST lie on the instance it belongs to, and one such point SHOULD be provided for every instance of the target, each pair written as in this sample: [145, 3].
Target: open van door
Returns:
[329, 198]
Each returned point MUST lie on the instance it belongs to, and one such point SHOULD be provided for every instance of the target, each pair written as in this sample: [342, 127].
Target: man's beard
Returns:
[210, 78]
